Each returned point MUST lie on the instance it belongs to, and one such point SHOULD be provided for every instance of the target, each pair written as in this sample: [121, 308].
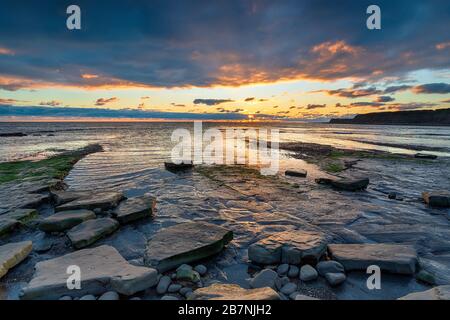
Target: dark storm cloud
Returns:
[211, 102]
[352, 93]
[206, 43]
[384, 99]
[315, 106]
[439, 88]
[394, 89]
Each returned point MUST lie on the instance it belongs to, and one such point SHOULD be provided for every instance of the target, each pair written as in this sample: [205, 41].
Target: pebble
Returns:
[289, 288]
[293, 271]
[201, 269]
[167, 297]
[110, 295]
[265, 278]
[163, 285]
[185, 290]
[174, 288]
[135, 298]
[282, 269]
[325, 267]
[335, 279]
[88, 297]
[65, 298]
[308, 273]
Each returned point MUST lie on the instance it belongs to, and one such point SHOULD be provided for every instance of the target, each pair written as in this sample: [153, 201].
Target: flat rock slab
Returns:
[61, 197]
[218, 291]
[436, 293]
[12, 254]
[65, 220]
[102, 269]
[101, 200]
[90, 231]
[8, 225]
[22, 215]
[437, 198]
[289, 247]
[185, 243]
[394, 258]
[134, 209]
[296, 173]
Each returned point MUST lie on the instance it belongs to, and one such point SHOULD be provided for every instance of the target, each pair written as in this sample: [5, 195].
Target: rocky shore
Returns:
[292, 236]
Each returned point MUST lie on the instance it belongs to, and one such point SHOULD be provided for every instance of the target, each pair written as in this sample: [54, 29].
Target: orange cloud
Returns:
[6, 51]
[89, 76]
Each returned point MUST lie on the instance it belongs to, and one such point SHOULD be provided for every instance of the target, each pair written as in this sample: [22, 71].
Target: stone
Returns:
[425, 156]
[90, 231]
[185, 243]
[60, 197]
[296, 173]
[282, 269]
[88, 297]
[21, 215]
[135, 298]
[174, 288]
[280, 282]
[264, 278]
[65, 220]
[335, 279]
[110, 295]
[201, 269]
[134, 209]
[293, 271]
[345, 184]
[329, 267]
[218, 291]
[8, 225]
[186, 273]
[394, 258]
[308, 273]
[34, 200]
[185, 291]
[440, 199]
[436, 293]
[43, 245]
[12, 254]
[426, 277]
[168, 297]
[102, 268]
[65, 298]
[176, 167]
[303, 297]
[288, 247]
[289, 288]
[104, 200]
[163, 284]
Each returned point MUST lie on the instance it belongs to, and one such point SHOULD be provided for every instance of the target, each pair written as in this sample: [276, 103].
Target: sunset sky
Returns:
[298, 60]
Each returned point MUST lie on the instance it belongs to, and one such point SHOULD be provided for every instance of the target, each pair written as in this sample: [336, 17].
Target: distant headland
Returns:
[419, 118]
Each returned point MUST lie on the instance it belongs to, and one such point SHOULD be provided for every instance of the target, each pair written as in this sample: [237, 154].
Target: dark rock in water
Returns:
[394, 258]
[13, 134]
[425, 156]
[175, 167]
[65, 220]
[437, 198]
[34, 200]
[288, 247]
[265, 278]
[134, 209]
[218, 291]
[103, 200]
[12, 254]
[426, 277]
[392, 195]
[436, 293]
[185, 243]
[102, 269]
[296, 173]
[43, 245]
[90, 231]
[345, 184]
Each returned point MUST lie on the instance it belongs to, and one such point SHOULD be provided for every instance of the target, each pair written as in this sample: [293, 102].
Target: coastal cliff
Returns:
[419, 118]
